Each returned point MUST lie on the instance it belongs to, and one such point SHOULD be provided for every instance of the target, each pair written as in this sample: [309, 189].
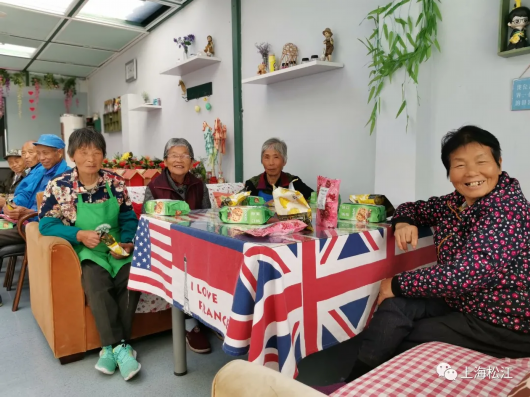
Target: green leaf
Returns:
[437, 10]
[419, 19]
[402, 43]
[428, 52]
[402, 2]
[375, 79]
[372, 126]
[410, 24]
[380, 88]
[411, 40]
[390, 40]
[385, 29]
[401, 108]
[416, 70]
[372, 92]
[401, 22]
[437, 45]
[374, 34]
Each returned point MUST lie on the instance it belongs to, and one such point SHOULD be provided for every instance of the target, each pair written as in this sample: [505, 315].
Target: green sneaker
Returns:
[107, 362]
[126, 358]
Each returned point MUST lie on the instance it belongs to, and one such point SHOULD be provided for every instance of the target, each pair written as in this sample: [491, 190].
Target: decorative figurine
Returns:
[289, 54]
[518, 20]
[262, 68]
[329, 44]
[209, 50]
[184, 90]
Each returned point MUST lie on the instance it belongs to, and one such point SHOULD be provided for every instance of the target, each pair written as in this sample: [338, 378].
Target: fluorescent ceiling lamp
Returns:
[16, 50]
[126, 10]
[54, 6]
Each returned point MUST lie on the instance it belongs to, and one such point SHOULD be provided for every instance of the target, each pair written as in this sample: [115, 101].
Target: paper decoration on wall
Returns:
[197, 108]
[32, 108]
[521, 94]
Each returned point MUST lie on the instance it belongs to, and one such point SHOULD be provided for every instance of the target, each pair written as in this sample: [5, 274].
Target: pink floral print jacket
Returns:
[483, 254]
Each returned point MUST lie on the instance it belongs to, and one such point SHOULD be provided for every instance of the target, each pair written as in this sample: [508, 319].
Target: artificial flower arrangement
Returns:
[185, 42]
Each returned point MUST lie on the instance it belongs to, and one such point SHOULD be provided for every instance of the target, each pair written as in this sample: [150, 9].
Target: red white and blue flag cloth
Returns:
[279, 300]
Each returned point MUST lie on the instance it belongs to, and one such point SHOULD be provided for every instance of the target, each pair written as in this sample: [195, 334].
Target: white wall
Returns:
[157, 53]
[321, 117]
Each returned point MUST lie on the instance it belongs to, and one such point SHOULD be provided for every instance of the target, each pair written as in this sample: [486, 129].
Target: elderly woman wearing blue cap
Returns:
[50, 149]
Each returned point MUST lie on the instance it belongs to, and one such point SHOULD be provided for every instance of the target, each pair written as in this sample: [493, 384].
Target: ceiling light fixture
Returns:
[53, 6]
[16, 50]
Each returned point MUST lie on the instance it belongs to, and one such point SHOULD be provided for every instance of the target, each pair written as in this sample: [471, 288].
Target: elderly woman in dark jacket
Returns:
[178, 183]
[476, 296]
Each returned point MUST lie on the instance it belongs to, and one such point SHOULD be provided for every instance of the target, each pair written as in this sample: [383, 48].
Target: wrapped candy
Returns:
[327, 202]
[281, 228]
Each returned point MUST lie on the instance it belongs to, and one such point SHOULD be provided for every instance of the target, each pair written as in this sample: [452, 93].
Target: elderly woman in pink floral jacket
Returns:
[476, 296]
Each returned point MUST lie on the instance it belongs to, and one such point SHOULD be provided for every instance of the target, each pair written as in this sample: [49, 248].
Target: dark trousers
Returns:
[112, 304]
[10, 237]
[400, 324]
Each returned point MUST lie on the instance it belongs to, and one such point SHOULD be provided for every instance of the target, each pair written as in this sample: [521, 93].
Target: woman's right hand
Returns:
[88, 238]
[406, 234]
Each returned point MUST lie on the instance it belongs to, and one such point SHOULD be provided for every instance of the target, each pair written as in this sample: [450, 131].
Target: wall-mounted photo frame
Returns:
[130, 71]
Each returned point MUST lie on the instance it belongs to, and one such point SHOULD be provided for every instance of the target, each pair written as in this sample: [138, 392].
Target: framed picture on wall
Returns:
[130, 71]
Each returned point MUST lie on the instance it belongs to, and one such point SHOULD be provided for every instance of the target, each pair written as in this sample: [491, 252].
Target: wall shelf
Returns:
[305, 69]
[192, 64]
[146, 108]
[112, 121]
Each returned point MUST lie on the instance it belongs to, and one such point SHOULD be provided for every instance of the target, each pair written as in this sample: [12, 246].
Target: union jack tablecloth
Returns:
[415, 373]
[278, 299]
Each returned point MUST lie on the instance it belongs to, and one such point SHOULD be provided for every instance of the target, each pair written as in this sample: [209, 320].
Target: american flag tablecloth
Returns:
[279, 298]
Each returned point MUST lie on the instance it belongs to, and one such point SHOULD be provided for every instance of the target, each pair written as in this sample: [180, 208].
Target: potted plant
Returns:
[185, 42]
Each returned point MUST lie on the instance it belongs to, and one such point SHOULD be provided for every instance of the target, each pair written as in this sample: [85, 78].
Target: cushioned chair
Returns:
[12, 252]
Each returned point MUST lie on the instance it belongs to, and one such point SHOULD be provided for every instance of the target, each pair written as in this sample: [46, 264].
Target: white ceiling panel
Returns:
[60, 68]
[75, 55]
[27, 24]
[13, 63]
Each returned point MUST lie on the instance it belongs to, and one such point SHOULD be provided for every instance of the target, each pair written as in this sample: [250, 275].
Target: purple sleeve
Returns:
[421, 213]
[494, 242]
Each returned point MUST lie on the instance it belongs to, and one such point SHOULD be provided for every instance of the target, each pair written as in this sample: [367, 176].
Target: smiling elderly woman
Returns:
[273, 159]
[177, 183]
[74, 205]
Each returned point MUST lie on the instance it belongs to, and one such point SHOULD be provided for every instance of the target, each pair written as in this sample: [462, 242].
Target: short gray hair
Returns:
[275, 144]
[178, 142]
[84, 137]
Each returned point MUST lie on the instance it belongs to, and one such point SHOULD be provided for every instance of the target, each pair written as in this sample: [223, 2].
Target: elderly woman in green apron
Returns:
[77, 206]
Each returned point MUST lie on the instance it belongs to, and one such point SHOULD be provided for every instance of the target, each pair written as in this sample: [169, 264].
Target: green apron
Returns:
[89, 217]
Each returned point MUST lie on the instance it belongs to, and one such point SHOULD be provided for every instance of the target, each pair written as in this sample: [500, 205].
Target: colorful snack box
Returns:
[245, 215]
[291, 204]
[362, 212]
[167, 207]
[373, 199]
[110, 242]
[327, 202]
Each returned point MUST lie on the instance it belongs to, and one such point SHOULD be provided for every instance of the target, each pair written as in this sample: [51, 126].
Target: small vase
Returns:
[266, 62]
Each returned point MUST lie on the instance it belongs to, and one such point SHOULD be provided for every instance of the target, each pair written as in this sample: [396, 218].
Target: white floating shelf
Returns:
[304, 69]
[192, 64]
[146, 108]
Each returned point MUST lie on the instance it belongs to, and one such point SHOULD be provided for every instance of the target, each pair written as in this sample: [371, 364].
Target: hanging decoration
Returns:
[50, 82]
[37, 83]
[209, 145]
[70, 91]
[18, 80]
[219, 138]
[4, 82]
[208, 106]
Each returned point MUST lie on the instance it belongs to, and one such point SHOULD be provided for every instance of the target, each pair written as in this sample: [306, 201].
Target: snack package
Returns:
[327, 202]
[373, 199]
[362, 212]
[110, 242]
[291, 204]
[167, 207]
[218, 191]
[254, 201]
[6, 224]
[245, 215]
[278, 228]
[234, 199]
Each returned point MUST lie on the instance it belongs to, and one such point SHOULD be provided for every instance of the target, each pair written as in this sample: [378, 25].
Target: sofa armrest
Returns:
[240, 378]
[57, 297]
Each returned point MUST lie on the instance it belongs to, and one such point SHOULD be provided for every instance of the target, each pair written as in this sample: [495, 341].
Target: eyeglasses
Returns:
[178, 157]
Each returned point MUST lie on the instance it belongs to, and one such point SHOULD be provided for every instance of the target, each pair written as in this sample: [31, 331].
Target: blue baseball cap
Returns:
[51, 141]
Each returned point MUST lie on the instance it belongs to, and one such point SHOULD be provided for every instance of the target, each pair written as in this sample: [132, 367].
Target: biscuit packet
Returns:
[254, 201]
[245, 215]
[362, 212]
[327, 202]
[167, 207]
[234, 199]
[4, 224]
[291, 204]
[373, 199]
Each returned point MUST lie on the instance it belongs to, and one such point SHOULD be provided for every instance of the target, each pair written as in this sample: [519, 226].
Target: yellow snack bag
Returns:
[234, 199]
[291, 204]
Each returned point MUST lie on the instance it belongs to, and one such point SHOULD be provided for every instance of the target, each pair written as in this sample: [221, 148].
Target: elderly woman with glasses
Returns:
[177, 183]
[274, 158]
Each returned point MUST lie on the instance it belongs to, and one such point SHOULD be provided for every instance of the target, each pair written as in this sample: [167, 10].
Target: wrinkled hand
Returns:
[17, 212]
[406, 234]
[88, 238]
[385, 290]
[126, 246]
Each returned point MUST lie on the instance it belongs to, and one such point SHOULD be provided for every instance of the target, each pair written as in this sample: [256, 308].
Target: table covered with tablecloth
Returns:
[278, 299]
